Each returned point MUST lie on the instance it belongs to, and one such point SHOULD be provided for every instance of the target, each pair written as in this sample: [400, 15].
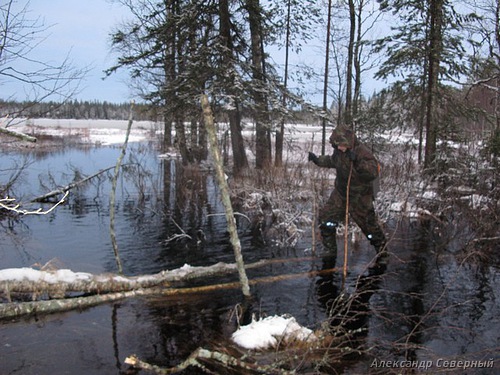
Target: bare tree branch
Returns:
[10, 204]
[20, 36]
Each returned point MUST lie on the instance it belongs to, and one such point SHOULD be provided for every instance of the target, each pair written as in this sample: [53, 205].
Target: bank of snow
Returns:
[103, 132]
[270, 332]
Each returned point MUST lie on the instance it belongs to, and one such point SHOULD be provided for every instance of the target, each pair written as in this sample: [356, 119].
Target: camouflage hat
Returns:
[342, 136]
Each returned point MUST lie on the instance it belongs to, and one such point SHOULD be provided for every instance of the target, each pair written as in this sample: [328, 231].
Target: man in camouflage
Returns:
[349, 152]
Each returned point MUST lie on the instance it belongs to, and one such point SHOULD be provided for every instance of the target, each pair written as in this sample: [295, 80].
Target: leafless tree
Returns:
[21, 35]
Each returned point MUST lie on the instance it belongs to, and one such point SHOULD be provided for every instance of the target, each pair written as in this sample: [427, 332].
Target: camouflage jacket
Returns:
[365, 166]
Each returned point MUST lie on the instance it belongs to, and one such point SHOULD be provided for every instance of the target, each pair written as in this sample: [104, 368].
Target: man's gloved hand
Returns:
[351, 154]
[312, 157]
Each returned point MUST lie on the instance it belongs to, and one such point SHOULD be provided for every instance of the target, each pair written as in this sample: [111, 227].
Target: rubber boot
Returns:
[329, 237]
[380, 246]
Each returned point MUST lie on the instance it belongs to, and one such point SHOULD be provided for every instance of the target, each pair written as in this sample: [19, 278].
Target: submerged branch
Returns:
[64, 189]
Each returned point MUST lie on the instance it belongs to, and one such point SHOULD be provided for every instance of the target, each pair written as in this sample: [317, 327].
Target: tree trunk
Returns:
[169, 69]
[423, 100]
[112, 232]
[357, 61]
[167, 131]
[262, 131]
[60, 191]
[435, 48]
[280, 133]
[240, 160]
[496, 131]
[224, 189]
[202, 142]
[325, 79]
[181, 142]
[221, 360]
[350, 63]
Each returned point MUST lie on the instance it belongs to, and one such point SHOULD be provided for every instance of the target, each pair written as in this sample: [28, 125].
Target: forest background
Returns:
[439, 61]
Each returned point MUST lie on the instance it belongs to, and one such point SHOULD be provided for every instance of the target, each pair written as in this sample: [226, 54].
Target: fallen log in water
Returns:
[58, 282]
[109, 288]
[22, 136]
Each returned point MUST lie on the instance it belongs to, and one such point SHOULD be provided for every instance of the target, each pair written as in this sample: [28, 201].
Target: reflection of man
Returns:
[349, 152]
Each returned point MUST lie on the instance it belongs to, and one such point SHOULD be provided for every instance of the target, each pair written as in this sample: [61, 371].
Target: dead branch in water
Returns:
[64, 189]
[217, 358]
[10, 204]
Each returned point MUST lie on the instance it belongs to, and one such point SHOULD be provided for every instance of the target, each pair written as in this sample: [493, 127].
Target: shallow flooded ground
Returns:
[428, 308]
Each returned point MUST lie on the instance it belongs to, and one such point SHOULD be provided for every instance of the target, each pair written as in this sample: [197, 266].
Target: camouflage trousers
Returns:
[361, 210]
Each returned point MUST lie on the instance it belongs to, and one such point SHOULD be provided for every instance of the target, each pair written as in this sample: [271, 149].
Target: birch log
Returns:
[112, 195]
[28, 280]
[22, 136]
[224, 190]
[52, 282]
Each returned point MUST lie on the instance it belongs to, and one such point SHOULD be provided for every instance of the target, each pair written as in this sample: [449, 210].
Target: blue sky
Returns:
[81, 29]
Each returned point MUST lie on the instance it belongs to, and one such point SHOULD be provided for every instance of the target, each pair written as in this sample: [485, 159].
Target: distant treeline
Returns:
[97, 110]
[75, 109]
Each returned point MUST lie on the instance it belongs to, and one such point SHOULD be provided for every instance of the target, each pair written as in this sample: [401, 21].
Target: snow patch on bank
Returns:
[103, 132]
[269, 332]
[108, 137]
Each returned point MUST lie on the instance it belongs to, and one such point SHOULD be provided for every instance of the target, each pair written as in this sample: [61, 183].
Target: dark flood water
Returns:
[426, 307]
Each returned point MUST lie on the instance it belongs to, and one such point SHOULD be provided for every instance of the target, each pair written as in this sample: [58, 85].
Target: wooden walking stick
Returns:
[346, 232]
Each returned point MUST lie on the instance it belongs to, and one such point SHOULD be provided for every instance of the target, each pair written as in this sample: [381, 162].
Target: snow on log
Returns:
[109, 287]
[106, 287]
[29, 280]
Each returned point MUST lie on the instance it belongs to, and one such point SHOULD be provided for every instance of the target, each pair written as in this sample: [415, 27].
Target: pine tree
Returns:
[425, 51]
